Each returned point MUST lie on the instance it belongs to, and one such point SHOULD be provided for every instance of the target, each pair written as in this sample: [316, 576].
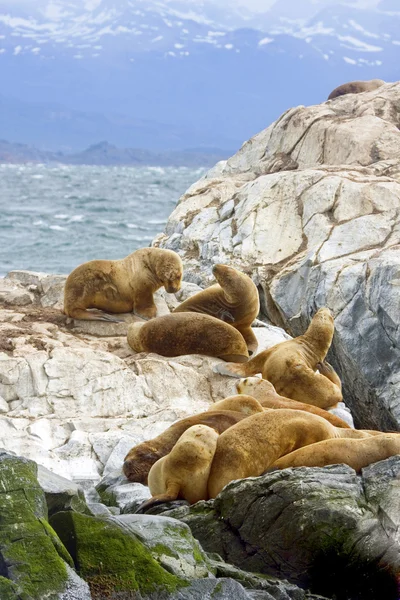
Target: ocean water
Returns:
[54, 218]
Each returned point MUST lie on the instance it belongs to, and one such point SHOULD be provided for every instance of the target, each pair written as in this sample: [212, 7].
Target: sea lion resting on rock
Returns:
[251, 446]
[290, 366]
[221, 416]
[355, 453]
[121, 286]
[188, 333]
[356, 87]
[265, 393]
[233, 299]
[184, 472]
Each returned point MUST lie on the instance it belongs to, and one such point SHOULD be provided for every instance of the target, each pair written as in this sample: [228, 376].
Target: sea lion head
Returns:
[323, 315]
[133, 337]
[169, 270]
[224, 273]
[253, 386]
[138, 462]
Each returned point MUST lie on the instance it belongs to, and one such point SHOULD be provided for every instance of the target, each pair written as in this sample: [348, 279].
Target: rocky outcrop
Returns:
[75, 398]
[326, 529]
[310, 209]
[34, 564]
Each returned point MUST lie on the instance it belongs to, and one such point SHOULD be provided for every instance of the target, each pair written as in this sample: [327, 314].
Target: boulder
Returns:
[309, 209]
[324, 529]
[34, 562]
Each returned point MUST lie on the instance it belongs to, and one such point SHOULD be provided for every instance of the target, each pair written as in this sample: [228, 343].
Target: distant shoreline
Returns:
[105, 154]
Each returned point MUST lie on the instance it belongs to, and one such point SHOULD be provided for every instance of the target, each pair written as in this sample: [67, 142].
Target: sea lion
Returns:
[234, 299]
[355, 453]
[221, 416]
[265, 393]
[290, 366]
[121, 286]
[250, 447]
[184, 472]
[356, 87]
[188, 333]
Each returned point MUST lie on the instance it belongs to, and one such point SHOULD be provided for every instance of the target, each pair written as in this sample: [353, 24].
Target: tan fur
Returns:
[254, 444]
[241, 403]
[356, 87]
[355, 453]
[188, 333]
[184, 472]
[233, 299]
[122, 286]
[265, 393]
[290, 366]
[142, 457]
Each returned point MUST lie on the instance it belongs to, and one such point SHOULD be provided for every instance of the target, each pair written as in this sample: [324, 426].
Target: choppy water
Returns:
[54, 218]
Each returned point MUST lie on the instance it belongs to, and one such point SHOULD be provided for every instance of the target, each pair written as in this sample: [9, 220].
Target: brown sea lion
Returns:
[220, 417]
[251, 446]
[188, 333]
[356, 87]
[234, 299]
[355, 453]
[265, 393]
[184, 472]
[121, 286]
[290, 366]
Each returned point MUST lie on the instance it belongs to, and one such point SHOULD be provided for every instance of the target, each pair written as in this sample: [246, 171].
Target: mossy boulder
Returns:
[61, 493]
[170, 542]
[111, 559]
[324, 529]
[32, 557]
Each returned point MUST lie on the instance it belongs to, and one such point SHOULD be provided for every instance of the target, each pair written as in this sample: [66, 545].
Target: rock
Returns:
[111, 558]
[170, 543]
[116, 490]
[35, 564]
[61, 494]
[11, 293]
[324, 234]
[326, 529]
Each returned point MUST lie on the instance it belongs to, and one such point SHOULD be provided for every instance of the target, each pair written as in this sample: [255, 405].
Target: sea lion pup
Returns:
[356, 87]
[188, 333]
[220, 417]
[121, 286]
[251, 446]
[265, 393]
[355, 453]
[233, 299]
[290, 366]
[184, 472]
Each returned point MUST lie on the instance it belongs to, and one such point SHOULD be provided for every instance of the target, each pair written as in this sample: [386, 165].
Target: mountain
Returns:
[164, 75]
[105, 153]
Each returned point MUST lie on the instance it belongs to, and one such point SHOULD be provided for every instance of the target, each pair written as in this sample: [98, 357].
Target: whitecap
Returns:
[38, 222]
[76, 218]
[156, 222]
[57, 228]
[61, 216]
[132, 226]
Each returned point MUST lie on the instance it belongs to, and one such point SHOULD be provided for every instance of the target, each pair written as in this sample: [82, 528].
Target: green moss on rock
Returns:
[109, 559]
[29, 549]
[8, 590]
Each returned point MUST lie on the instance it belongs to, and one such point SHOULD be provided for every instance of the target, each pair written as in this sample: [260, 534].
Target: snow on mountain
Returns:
[220, 73]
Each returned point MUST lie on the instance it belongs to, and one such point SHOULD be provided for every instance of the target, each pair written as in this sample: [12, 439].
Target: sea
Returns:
[54, 218]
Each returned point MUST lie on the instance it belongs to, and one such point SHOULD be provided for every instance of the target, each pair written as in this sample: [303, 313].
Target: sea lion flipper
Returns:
[230, 369]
